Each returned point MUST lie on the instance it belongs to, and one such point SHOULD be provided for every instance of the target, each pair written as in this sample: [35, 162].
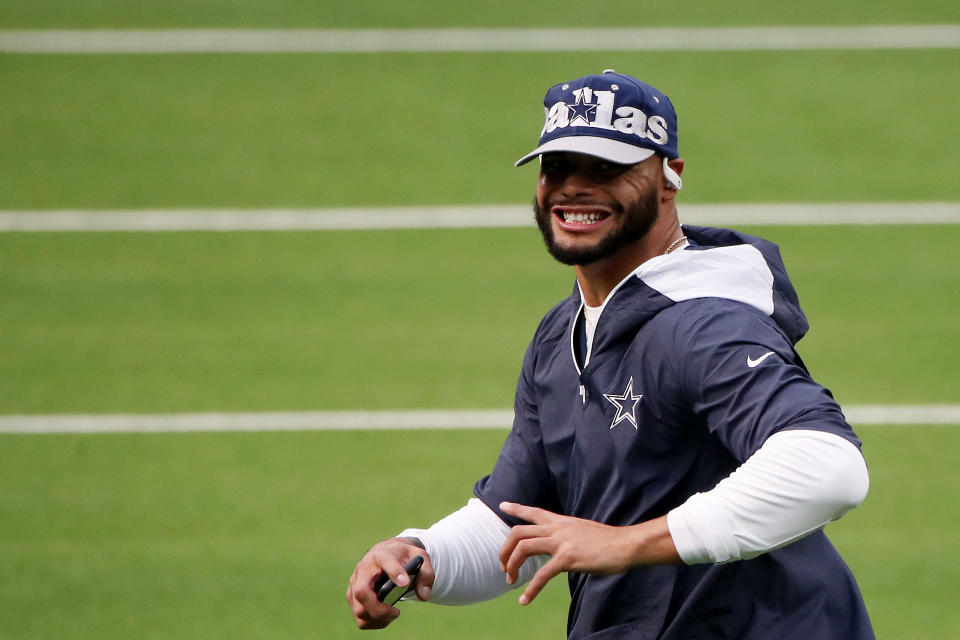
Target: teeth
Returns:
[581, 218]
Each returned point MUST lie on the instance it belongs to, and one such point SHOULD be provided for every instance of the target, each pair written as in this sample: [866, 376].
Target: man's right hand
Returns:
[390, 557]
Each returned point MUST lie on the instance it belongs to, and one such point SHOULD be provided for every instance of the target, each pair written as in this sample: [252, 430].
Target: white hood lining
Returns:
[735, 273]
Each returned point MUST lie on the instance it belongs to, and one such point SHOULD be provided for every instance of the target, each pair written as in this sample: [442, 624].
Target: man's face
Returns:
[589, 209]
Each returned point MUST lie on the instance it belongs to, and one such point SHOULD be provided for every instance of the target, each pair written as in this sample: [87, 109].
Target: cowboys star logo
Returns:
[626, 404]
[580, 110]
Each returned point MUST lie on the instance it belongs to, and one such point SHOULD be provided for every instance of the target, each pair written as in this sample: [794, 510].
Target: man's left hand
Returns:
[575, 544]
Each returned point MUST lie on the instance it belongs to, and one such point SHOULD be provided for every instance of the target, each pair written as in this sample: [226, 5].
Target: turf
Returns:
[882, 304]
[898, 542]
[435, 13]
[416, 129]
[371, 320]
[254, 535]
[405, 319]
[223, 536]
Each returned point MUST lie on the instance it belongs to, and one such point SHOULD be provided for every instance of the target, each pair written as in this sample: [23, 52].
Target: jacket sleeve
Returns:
[801, 465]
[521, 473]
[742, 377]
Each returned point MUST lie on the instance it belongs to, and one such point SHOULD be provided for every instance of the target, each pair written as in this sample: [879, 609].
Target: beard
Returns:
[635, 220]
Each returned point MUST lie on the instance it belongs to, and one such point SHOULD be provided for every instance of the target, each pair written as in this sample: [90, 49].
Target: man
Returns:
[670, 451]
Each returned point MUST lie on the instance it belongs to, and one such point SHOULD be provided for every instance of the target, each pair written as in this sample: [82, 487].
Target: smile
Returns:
[580, 217]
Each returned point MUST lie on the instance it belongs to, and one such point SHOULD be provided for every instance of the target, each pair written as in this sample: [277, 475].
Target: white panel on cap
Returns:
[612, 150]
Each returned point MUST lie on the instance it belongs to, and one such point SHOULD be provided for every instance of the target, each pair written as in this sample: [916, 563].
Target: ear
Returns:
[671, 173]
[669, 193]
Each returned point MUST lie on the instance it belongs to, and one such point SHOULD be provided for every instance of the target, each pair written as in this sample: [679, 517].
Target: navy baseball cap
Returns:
[611, 116]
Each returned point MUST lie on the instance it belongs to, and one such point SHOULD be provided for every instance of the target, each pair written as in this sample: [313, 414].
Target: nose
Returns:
[577, 183]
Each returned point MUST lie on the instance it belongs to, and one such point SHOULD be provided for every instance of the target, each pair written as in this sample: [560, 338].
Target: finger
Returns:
[425, 579]
[393, 567]
[518, 533]
[366, 621]
[546, 573]
[366, 596]
[353, 578]
[530, 514]
[525, 549]
[366, 618]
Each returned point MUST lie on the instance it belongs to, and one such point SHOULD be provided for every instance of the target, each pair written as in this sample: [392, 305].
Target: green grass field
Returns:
[255, 535]
[434, 13]
[118, 322]
[348, 130]
[252, 535]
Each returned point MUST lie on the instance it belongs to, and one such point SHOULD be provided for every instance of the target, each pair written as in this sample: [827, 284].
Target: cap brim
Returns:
[612, 150]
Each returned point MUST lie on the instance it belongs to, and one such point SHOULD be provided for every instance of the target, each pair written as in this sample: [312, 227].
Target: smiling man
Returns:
[670, 451]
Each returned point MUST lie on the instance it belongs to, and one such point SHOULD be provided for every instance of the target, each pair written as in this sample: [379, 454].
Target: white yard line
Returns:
[398, 40]
[457, 217]
[377, 420]
[287, 421]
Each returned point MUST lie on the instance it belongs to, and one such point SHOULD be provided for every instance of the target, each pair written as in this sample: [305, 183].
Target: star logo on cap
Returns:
[580, 110]
[626, 404]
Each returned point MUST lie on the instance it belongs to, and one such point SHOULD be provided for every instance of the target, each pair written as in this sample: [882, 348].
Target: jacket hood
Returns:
[722, 263]
[718, 263]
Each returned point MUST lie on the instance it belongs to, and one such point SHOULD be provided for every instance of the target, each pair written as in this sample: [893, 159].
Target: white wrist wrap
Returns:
[464, 548]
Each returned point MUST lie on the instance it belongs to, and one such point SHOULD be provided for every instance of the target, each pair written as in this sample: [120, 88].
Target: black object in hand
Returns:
[389, 592]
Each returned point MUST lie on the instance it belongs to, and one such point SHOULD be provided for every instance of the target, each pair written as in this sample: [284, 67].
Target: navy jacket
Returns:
[667, 407]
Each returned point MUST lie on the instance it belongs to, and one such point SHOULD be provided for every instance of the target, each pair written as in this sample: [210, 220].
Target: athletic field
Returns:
[254, 534]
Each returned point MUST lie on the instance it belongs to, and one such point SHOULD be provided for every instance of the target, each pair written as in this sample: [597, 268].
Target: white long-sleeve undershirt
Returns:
[798, 482]
[795, 484]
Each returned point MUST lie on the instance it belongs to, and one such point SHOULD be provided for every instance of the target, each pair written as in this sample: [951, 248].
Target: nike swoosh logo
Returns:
[752, 363]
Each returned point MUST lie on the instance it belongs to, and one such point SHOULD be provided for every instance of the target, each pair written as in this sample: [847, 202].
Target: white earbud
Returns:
[673, 178]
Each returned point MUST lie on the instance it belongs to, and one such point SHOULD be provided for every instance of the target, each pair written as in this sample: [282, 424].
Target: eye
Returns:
[605, 168]
[554, 166]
